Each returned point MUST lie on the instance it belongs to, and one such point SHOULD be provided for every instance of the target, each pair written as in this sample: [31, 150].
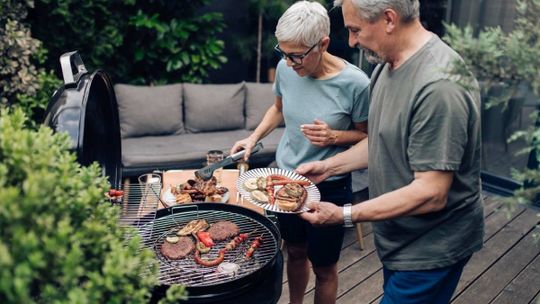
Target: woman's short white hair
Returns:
[370, 10]
[305, 23]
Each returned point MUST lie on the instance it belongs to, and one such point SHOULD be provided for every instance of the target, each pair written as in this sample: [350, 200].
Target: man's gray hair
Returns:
[305, 23]
[371, 10]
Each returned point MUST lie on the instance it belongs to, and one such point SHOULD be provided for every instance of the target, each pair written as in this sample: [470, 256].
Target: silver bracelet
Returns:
[347, 216]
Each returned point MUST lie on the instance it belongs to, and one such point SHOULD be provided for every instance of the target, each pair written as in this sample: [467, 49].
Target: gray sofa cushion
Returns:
[213, 107]
[160, 151]
[146, 110]
[259, 98]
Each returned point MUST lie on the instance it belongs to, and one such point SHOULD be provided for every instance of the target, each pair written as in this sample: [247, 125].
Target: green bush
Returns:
[60, 242]
[136, 41]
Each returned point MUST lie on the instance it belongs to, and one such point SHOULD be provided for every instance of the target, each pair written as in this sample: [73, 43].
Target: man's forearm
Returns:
[423, 195]
[356, 157]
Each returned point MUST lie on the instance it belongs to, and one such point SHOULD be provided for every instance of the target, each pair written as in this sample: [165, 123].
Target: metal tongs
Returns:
[207, 172]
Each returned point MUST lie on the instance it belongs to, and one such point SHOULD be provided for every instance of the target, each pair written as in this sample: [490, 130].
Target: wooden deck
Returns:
[506, 270]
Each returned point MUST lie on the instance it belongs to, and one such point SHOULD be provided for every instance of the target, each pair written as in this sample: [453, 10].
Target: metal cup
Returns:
[212, 157]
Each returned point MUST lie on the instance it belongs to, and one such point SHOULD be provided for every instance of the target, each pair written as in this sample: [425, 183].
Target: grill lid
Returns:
[85, 107]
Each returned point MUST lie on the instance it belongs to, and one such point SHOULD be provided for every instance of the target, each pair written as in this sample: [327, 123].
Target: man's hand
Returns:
[323, 214]
[319, 133]
[244, 144]
[315, 171]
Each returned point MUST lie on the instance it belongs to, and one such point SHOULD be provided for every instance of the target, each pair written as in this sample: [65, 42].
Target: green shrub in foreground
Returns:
[60, 242]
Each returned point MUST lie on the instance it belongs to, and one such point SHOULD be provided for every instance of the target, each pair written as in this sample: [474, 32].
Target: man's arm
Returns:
[352, 159]
[426, 193]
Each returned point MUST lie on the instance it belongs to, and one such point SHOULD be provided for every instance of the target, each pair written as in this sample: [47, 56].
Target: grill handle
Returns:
[69, 61]
[182, 207]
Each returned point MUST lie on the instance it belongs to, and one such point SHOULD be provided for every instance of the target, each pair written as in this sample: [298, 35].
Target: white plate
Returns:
[170, 200]
[313, 194]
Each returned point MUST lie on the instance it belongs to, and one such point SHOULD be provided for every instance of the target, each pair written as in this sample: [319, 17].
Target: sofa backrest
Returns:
[191, 108]
[213, 107]
[150, 110]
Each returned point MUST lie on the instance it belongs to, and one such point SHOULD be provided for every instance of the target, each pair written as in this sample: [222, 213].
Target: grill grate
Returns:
[186, 271]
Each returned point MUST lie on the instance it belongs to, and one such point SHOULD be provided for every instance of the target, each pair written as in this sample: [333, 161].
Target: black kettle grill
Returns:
[85, 107]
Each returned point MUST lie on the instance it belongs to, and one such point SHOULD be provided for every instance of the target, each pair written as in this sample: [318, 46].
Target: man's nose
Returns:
[353, 42]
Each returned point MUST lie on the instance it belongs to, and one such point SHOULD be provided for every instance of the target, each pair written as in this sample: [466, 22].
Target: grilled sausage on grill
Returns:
[178, 250]
[223, 230]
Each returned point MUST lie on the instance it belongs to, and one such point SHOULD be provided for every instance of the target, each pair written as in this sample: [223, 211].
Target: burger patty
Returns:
[223, 230]
[292, 193]
[178, 250]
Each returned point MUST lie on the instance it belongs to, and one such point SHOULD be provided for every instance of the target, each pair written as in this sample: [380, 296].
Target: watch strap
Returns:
[347, 216]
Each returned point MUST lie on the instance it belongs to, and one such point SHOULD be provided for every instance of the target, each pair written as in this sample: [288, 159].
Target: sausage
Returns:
[290, 181]
[270, 190]
[209, 263]
[254, 245]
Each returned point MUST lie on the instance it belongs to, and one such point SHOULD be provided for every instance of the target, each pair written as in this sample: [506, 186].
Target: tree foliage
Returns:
[136, 41]
[22, 82]
[60, 241]
[506, 61]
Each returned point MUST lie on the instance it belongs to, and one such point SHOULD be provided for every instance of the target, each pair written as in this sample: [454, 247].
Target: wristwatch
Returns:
[347, 216]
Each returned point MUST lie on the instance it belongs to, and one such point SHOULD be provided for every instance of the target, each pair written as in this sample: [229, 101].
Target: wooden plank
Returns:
[497, 221]
[496, 247]
[524, 288]
[493, 281]
[353, 275]
[349, 255]
[364, 293]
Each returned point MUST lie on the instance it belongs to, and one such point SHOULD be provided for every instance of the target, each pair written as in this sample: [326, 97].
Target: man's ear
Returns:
[391, 18]
[325, 42]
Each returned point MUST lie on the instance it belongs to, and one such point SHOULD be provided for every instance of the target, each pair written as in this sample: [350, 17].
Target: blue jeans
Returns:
[434, 286]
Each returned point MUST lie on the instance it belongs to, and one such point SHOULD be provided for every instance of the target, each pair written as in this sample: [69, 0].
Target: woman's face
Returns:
[304, 60]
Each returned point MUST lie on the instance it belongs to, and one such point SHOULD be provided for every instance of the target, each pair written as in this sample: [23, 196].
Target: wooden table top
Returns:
[228, 179]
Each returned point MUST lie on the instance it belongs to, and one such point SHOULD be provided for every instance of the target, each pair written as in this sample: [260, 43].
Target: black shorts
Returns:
[324, 243]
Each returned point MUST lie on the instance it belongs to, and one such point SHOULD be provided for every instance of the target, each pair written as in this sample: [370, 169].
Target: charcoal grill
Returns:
[205, 284]
[85, 107]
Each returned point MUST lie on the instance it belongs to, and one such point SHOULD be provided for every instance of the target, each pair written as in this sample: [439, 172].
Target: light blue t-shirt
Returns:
[340, 101]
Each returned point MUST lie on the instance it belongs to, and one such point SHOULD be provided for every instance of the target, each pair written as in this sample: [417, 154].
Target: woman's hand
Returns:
[245, 144]
[319, 133]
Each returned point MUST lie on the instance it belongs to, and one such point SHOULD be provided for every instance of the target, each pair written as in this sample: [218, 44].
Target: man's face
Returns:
[308, 63]
[364, 35]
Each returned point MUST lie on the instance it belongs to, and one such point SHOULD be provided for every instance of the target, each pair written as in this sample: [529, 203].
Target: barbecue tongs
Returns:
[207, 172]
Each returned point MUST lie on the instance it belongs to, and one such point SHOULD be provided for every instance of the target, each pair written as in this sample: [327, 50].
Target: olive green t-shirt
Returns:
[421, 121]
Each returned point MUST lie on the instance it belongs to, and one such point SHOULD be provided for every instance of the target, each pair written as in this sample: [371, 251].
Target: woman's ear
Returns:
[325, 42]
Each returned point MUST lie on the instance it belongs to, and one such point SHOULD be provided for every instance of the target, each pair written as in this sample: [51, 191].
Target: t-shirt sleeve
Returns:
[276, 87]
[360, 108]
[438, 127]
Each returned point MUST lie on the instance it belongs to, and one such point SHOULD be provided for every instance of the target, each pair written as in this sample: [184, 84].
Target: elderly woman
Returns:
[323, 101]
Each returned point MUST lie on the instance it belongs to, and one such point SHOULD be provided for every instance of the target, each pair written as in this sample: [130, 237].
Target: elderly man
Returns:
[424, 155]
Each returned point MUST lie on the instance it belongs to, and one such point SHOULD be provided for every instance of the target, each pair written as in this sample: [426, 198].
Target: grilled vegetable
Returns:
[205, 238]
[172, 239]
[201, 247]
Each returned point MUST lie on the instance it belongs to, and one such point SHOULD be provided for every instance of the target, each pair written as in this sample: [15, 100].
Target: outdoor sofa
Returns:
[174, 126]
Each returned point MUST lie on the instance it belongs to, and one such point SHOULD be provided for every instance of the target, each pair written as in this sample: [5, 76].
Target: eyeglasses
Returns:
[296, 59]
